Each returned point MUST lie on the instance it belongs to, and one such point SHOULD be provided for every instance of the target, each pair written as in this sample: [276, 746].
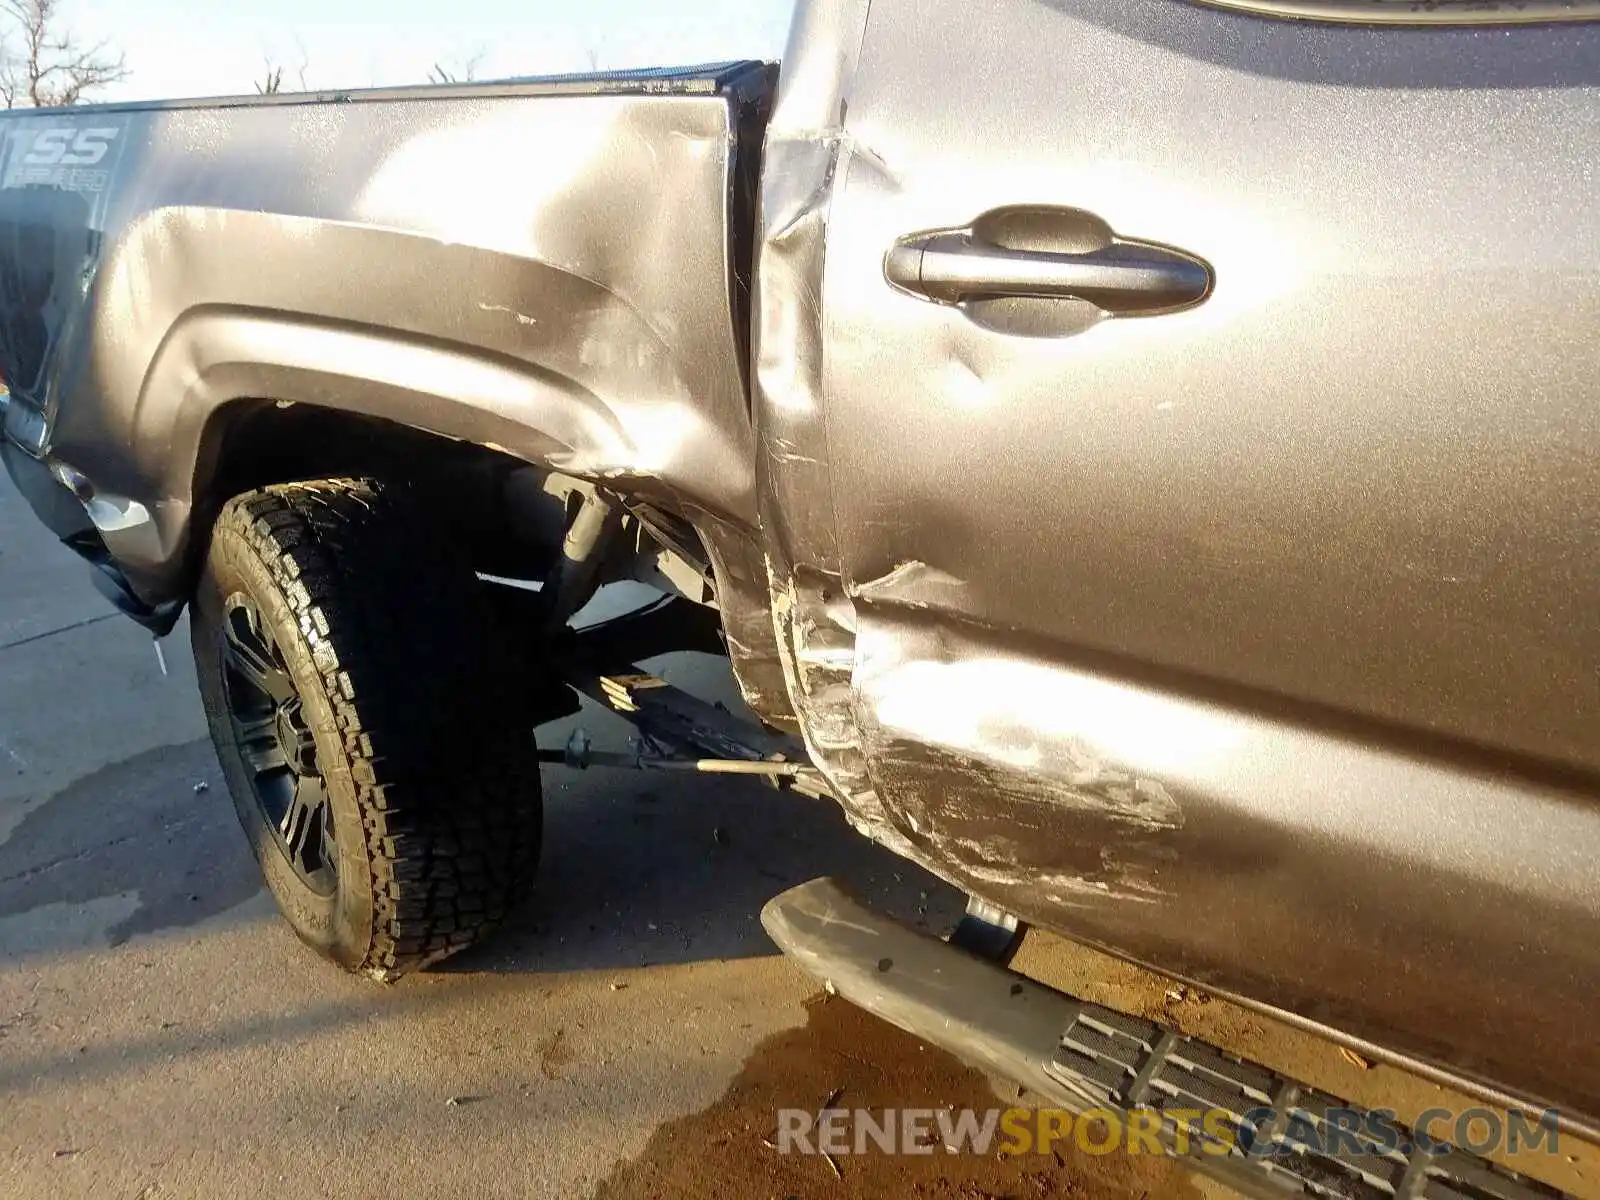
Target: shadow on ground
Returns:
[636, 870]
[640, 870]
[137, 826]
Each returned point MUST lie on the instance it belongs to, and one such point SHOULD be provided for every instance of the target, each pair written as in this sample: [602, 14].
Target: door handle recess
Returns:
[1120, 276]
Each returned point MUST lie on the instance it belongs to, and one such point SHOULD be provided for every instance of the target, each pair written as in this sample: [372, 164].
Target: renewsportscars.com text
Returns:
[1263, 1132]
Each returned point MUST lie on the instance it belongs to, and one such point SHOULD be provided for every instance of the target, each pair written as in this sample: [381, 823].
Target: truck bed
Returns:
[555, 266]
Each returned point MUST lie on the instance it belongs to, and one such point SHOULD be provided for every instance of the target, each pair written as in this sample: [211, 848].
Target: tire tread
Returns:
[439, 755]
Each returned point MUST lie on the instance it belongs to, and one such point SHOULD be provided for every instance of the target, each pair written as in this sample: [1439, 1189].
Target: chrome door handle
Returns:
[1125, 277]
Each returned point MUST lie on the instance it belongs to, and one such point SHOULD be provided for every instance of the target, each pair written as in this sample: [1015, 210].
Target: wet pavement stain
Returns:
[845, 1058]
[135, 826]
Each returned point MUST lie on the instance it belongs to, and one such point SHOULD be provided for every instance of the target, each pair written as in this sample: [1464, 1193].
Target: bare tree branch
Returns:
[303, 64]
[464, 71]
[271, 81]
[43, 64]
[272, 77]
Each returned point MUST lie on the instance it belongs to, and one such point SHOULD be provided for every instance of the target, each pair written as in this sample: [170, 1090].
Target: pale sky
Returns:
[216, 47]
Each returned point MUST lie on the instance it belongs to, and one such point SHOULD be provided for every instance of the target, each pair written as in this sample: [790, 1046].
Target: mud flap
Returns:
[1080, 1057]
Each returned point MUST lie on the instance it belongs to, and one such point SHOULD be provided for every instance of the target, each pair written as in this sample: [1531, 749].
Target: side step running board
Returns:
[1079, 1056]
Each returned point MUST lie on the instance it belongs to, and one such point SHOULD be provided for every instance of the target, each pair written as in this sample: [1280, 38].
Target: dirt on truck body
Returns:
[1137, 455]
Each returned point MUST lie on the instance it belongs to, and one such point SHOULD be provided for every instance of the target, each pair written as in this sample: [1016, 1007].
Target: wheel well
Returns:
[515, 515]
[518, 515]
[253, 443]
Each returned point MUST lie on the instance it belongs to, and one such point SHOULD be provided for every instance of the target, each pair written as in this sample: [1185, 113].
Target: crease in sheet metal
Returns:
[855, 681]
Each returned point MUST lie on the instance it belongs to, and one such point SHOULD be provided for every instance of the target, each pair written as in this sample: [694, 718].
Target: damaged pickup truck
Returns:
[1139, 457]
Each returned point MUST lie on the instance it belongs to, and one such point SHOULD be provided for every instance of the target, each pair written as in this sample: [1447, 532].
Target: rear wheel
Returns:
[367, 722]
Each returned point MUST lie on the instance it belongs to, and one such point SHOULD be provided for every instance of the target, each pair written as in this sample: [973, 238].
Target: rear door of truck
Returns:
[1212, 409]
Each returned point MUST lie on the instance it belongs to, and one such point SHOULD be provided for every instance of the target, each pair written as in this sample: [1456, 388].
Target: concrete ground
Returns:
[162, 1034]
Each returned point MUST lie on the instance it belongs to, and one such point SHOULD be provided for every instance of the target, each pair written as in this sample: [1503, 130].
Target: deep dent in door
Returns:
[856, 670]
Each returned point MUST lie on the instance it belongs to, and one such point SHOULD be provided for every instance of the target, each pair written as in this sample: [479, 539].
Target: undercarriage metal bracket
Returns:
[989, 932]
[578, 754]
[676, 731]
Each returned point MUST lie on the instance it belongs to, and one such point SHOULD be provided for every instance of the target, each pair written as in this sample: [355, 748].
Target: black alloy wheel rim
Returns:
[274, 737]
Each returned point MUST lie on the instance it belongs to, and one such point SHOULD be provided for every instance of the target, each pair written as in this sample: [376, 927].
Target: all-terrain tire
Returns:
[409, 706]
